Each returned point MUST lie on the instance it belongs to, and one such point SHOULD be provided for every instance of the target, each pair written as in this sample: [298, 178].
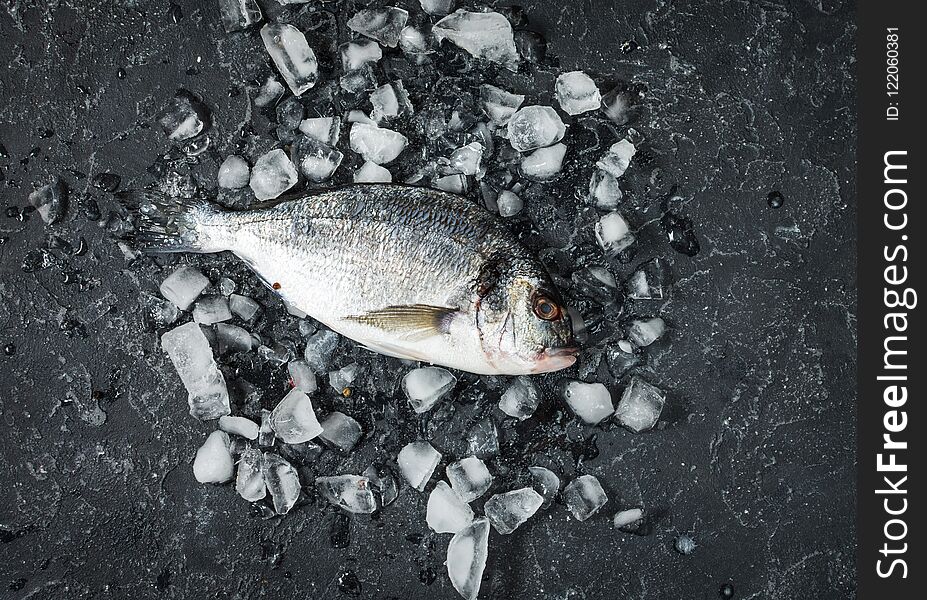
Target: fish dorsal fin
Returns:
[412, 322]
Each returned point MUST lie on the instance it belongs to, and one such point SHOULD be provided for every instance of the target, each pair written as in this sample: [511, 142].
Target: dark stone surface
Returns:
[755, 456]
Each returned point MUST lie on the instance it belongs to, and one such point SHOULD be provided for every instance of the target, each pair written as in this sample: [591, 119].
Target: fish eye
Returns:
[546, 309]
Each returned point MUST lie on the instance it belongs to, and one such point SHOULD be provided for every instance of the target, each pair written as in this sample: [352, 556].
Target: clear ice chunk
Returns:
[213, 462]
[544, 163]
[355, 55]
[359, 80]
[226, 286]
[50, 201]
[340, 431]
[343, 377]
[210, 310]
[162, 311]
[372, 173]
[242, 426]
[380, 24]
[273, 174]
[613, 234]
[350, 492]
[390, 100]
[591, 402]
[417, 462]
[302, 376]
[535, 127]
[618, 105]
[627, 517]
[604, 192]
[508, 511]
[249, 483]
[269, 92]
[466, 159]
[183, 286]
[584, 496]
[316, 160]
[384, 482]
[546, 483]
[469, 477]
[276, 353]
[466, 558]
[377, 144]
[640, 405]
[618, 158]
[437, 8]
[185, 117]
[577, 93]
[499, 104]
[294, 420]
[243, 307]
[447, 512]
[291, 53]
[509, 203]
[191, 354]
[413, 42]
[647, 282]
[483, 439]
[266, 435]
[485, 35]
[319, 349]
[455, 184]
[282, 482]
[425, 386]
[644, 332]
[324, 129]
[239, 14]
[520, 399]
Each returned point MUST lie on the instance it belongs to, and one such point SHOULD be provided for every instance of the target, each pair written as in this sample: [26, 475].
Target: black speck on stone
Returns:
[726, 591]
[108, 182]
[349, 584]
[18, 584]
[9, 349]
[163, 580]
[629, 46]
[340, 533]
[427, 575]
[680, 233]
[775, 199]
[121, 73]
[175, 14]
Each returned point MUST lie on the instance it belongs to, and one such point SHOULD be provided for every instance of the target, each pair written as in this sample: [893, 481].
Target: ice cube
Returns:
[640, 405]
[213, 462]
[162, 311]
[469, 477]
[246, 428]
[544, 163]
[520, 399]
[621, 358]
[282, 482]
[359, 116]
[302, 376]
[647, 282]
[486, 35]
[340, 431]
[291, 53]
[343, 377]
[618, 158]
[189, 350]
[627, 517]
[294, 420]
[50, 201]
[266, 435]
[319, 349]
[377, 144]
[577, 93]
[316, 160]
[355, 55]
[239, 14]
[604, 192]
[226, 286]
[209, 310]
[509, 204]
[384, 482]
[183, 286]
[595, 282]
[508, 511]
[483, 439]
[499, 104]
[350, 492]
[584, 496]
[269, 92]
[613, 234]
[359, 80]
[591, 402]
[417, 461]
[372, 173]
[546, 483]
[250, 480]
[466, 159]
[437, 8]
[243, 307]
[290, 114]
[644, 332]
[390, 100]
[413, 42]
[381, 24]
[425, 386]
[684, 544]
[185, 117]
[455, 184]
[466, 558]
[534, 127]
[273, 174]
[447, 512]
[277, 354]
[618, 104]
[324, 129]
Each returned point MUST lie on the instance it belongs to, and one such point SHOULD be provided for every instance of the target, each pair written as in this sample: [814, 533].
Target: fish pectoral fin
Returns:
[412, 322]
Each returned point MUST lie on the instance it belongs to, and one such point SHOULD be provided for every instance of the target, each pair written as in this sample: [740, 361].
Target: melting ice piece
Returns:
[372, 173]
[291, 53]
[250, 480]
[384, 482]
[226, 286]
[469, 477]
[437, 7]
[425, 386]
[163, 312]
[613, 233]
[466, 558]
[340, 431]
[483, 439]
[413, 42]
[618, 104]
[381, 24]
[447, 512]
[183, 286]
[499, 104]
[509, 203]
[239, 14]
[184, 118]
[213, 462]
[584, 496]
[535, 127]
[234, 173]
[50, 201]
[390, 100]
[350, 492]
[417, 461]
[546, 483]
[266, 435]
[269, 92]
[246, 428]
[189, 350]
[343, 377]
[302, 376]
[644, 332]
[324, 129]
[455, 184]
[509, 510]
[466, 159]
[294, 420]
[647, 282]
[577, 93]
[520, 399]
[590, 401]
[243, 307]
[640, 405]
[618, 158]
[377, 144]
[282, 482]
[316, 160]
[544, 163]
[273, 174]
[627, 517]
[319, 349]
[290, 113]
[359, 80]
[277, 353]
[486, 35]
[210, 310]
[355, 55]
[604, 192]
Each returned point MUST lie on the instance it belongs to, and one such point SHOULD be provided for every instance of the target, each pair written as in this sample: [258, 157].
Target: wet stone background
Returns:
[748, 113]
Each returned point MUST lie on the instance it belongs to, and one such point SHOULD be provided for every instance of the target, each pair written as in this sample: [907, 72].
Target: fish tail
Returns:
[164, 224]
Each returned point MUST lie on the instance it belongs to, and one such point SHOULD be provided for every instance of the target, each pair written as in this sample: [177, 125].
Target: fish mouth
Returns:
[555, 359]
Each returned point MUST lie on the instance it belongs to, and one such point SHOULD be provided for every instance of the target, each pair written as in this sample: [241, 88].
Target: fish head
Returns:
[524, 325]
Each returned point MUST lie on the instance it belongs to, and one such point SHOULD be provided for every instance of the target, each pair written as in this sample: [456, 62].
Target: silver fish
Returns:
[405, 271]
